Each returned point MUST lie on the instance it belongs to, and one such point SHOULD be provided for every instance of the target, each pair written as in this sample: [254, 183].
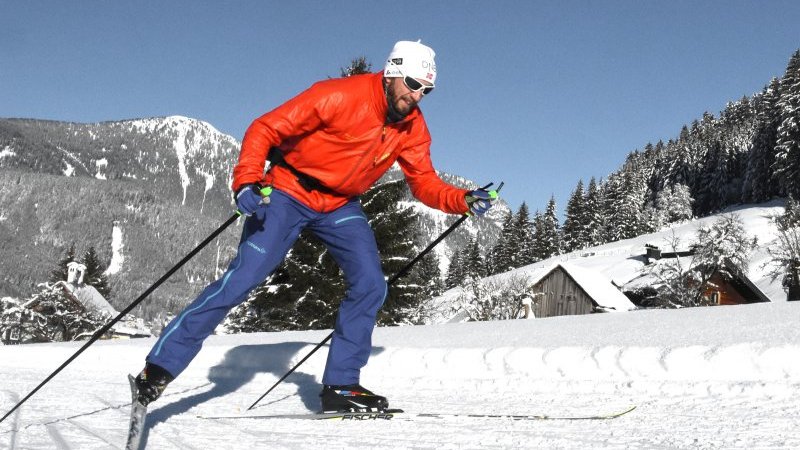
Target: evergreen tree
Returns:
[455, 271]
[501, 257]
[791, 215]
[674, 204]
[94, 275]
[547, 240]
[472, 261]
[624, 203]
[759, 184]
[522, 250]
[397, 232]
[60, 273]
[593, 216]
[574, 231]
[787, 157]
[357, 66]
[714, 176]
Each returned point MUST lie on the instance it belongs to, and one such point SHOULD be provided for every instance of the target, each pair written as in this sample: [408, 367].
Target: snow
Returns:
[181, 151]
[70, 170]
[100, 165]
[717, 377]
[117, 258]
[7, 152]
[92, 299]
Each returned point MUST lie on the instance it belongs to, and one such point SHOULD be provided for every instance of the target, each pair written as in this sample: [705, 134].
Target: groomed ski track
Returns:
[724, 377]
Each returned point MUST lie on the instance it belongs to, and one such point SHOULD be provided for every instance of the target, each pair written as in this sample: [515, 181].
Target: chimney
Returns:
[75, 273]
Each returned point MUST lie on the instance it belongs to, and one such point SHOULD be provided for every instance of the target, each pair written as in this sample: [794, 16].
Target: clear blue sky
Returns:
[539, 94]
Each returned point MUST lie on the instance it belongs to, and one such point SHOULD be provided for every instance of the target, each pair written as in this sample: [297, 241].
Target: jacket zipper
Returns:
[361, 159]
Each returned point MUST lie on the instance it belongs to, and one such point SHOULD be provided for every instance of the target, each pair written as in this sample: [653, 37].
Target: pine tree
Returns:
[94, 275]
[522, 248]
[574, 232]
[60, 273]
[455, 271]
[397, 232]
[787, 157]
[791, 215]
[593, 217]
[624, 203]
[357, 66]
[501, 257]
[674, 204]
[547, 240]
[714, 176]
[472, 261]
[759, 184]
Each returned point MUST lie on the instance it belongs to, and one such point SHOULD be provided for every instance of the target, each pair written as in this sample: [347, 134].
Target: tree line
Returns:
[750, 153]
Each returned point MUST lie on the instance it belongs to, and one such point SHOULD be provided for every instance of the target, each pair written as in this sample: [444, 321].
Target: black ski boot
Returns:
[151, 382]
[351, 398]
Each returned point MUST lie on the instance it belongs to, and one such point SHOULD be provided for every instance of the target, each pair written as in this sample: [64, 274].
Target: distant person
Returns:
[326, 147]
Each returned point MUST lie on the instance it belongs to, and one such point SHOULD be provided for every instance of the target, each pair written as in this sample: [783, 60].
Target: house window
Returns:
[14, 334]
[715, 297]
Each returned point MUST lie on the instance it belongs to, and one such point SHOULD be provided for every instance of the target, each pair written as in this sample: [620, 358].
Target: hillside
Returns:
[622, 262]
[726, 377]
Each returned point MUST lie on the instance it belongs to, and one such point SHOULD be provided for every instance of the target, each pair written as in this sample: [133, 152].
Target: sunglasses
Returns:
[415, 86]
[412, 84]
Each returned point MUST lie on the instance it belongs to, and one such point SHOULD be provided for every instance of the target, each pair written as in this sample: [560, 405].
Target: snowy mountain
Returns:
[623, 262]
[724, 377]
[178, 154]
[143, 193]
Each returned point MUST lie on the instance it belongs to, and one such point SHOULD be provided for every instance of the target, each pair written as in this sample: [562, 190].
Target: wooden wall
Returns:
[725, 293]
[561, 296]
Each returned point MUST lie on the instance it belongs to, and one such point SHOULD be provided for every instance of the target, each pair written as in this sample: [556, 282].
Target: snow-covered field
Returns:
[721, 377]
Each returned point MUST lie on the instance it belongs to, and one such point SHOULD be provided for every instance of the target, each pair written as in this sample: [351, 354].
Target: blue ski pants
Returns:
[266, 239]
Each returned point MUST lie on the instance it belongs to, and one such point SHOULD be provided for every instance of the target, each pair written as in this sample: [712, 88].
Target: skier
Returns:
[326, 146]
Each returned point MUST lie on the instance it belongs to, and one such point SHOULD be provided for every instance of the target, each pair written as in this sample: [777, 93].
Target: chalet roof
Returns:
[595, 284]
[91, 298]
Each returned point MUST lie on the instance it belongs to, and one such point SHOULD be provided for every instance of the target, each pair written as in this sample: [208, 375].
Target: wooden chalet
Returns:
[567, 289]
[731, 287]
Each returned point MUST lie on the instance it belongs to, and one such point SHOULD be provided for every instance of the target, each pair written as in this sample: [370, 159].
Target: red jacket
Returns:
[335, 131]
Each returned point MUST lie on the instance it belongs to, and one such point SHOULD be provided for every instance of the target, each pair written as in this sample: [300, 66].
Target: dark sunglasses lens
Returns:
[416, 86]
[413, 84]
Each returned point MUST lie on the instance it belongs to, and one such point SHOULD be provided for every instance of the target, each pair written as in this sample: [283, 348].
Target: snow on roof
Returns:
[92, 299]
[596, 285]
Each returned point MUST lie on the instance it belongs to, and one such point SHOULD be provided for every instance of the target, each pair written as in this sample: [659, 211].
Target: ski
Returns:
[384, 415]
[607, 416]
[138, 415]
[393, 413]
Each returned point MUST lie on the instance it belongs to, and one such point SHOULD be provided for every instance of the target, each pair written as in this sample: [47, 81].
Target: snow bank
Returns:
[720, 377]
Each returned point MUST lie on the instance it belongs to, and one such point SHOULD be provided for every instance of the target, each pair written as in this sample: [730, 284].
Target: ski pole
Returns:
[390, 282]
[125, 311]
